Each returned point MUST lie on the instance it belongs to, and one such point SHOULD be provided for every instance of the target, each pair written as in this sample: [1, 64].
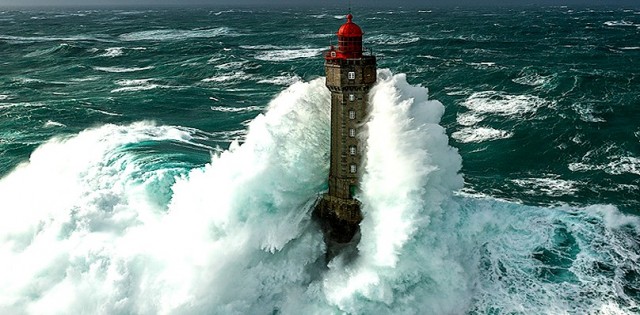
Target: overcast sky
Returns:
[325, 3]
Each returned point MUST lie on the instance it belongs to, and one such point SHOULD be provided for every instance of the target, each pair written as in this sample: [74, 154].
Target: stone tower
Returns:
[350, 75]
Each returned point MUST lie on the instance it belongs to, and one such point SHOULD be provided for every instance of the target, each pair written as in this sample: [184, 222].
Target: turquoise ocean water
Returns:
[164, 161]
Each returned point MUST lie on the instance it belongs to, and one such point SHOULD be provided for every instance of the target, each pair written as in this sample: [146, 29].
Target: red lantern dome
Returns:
[350, 29]
[349, 41]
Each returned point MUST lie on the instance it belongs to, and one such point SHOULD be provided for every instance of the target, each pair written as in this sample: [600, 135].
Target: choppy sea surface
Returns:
[165, 161]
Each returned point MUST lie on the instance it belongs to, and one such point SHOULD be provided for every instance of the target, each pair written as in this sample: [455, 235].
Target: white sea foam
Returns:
[483, 64]
[618, 23]
[487, 103]
[236, 109]
[500, 103]
[617, 165]
[235, 76]
[122, 70]
[135, 88]
[4, 97]
[173, 35]
[468, 119]
[281, 80]
[103, 112]
[288, 54]
[586, 112]
[429, 57]
[533, 79]
[480, 134]
[260, 47]
[383, 39]
[102, 233]
[32, 39]
[551, 185]
[22, 104]
[113, 52]
[136, 85]
[51, 123]
[422, 169]
[86, 79]
[222, 12]
[232, 65]
[318, 35]
[132, 82]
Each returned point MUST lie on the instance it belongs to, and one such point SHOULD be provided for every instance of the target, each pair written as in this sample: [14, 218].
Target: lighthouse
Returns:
[350, 74]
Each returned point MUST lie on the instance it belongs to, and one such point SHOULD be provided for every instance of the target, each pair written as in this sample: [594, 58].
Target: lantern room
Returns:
[349, 41]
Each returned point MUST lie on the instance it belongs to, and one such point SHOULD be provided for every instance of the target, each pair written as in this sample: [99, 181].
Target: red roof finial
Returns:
[349, 18]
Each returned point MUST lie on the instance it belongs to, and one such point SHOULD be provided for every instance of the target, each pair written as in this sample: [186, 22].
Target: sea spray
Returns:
[87, 228]
[64, 213]
[90, 238]
[411, 172]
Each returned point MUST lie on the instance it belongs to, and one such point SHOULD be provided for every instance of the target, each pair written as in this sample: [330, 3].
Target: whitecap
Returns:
[103, 112]
[533, 79]
[86, 79]
[586, 112]
[483, 64]
[4, 97]
[428, 57]
[122, 70]
[133, 82]
[318, 35]
[30, 39]
[500, 103]
[135, 88]
[235, 76]
[384, 39]
[260, 47]
[113, 52]
[221, 12]
[225, 109]
[618, 23]
[616, 165]
[135, 85]
[231, 65]
[288, 54]
[51, 123]
[281, 80]
[480, 134]
[468, 119]
[552, 185]
[173, 34]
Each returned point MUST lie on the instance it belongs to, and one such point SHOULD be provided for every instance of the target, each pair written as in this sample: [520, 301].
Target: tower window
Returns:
[352, 132]
[352, 75]
[352, 97]
[352, 114]
[352, 168]
[352, 150]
